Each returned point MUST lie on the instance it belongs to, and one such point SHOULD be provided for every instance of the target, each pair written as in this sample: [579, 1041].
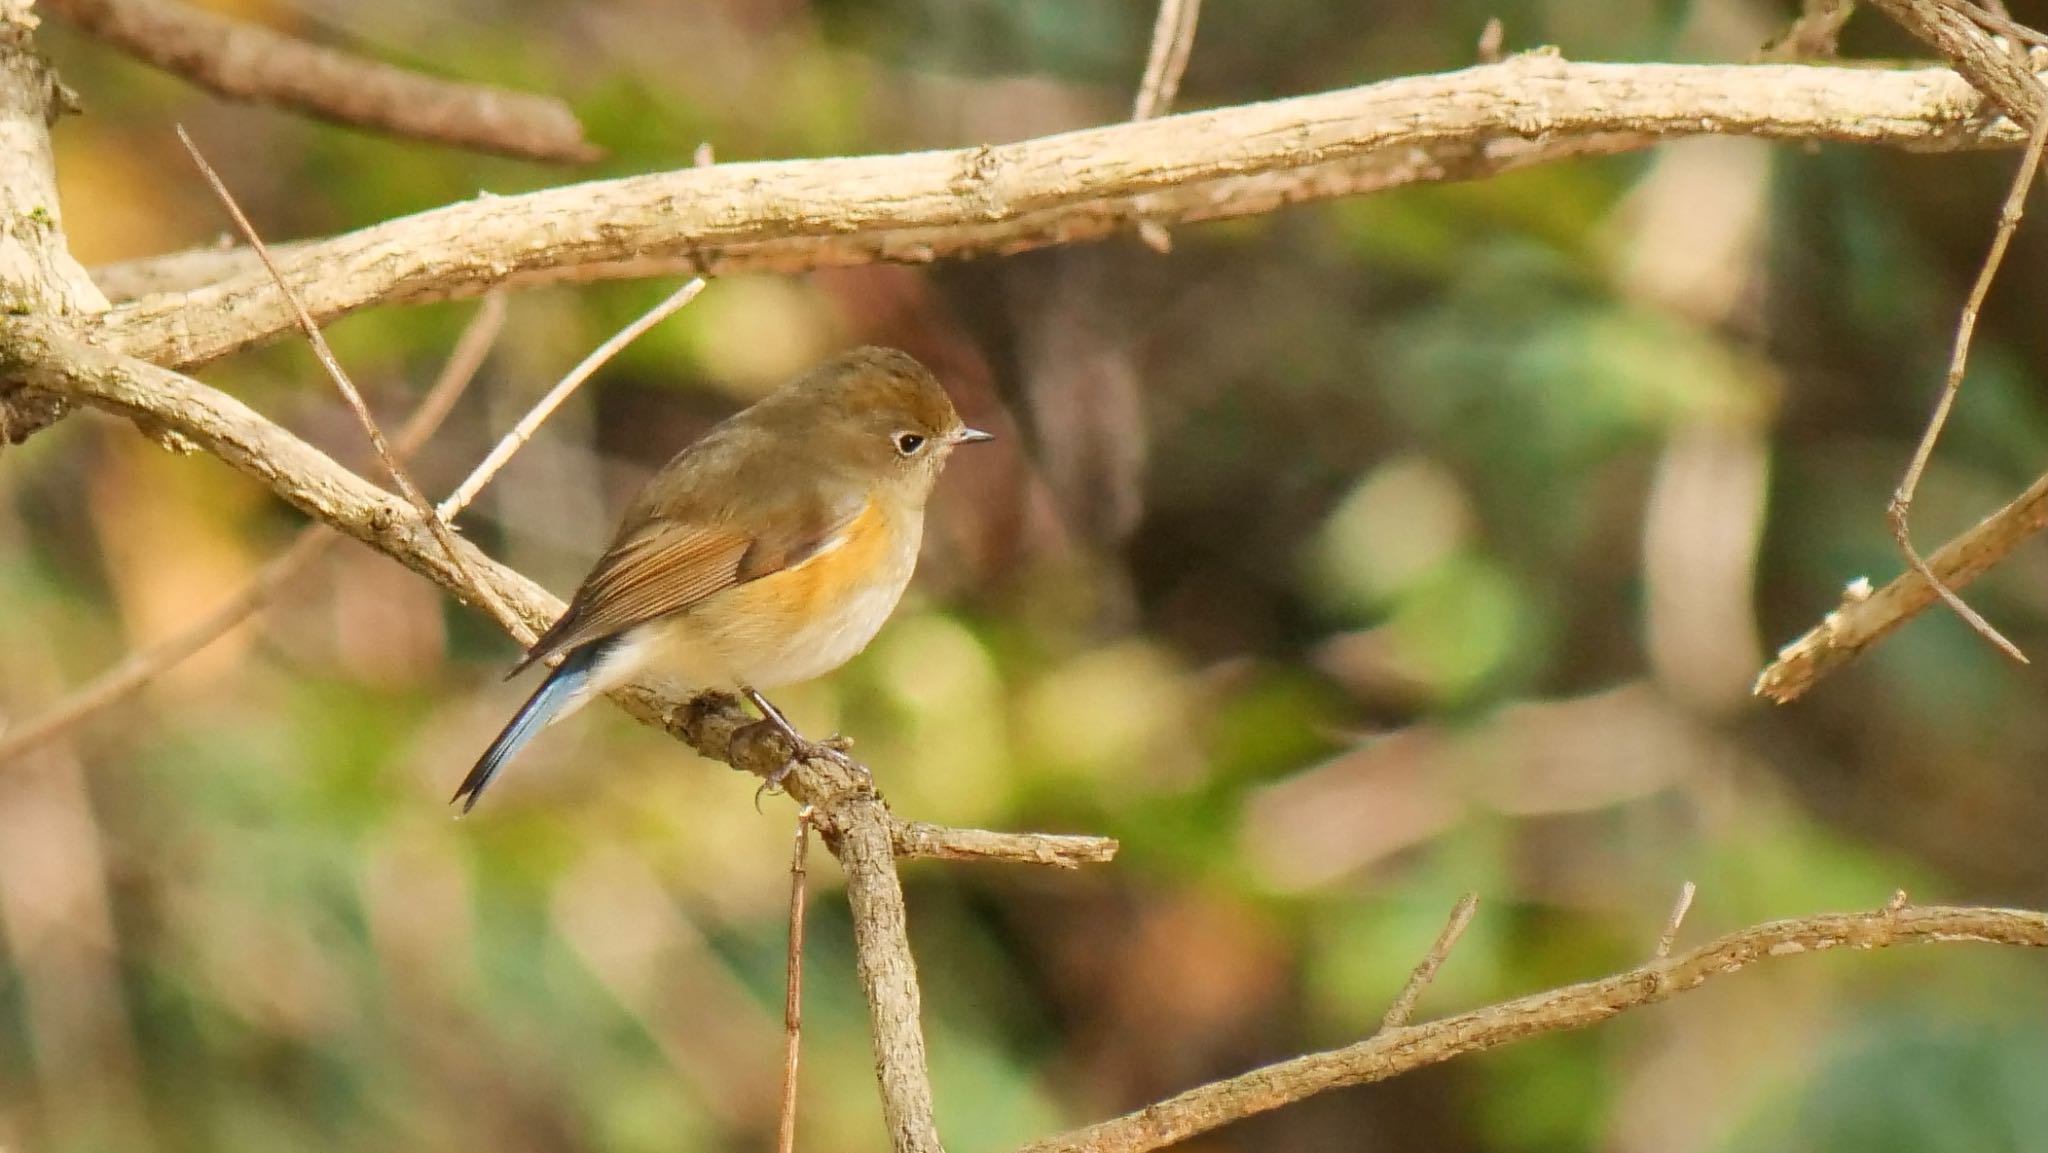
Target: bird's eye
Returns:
[908, 443]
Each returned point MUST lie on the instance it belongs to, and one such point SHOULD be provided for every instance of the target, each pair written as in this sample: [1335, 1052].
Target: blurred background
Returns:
[1341, 561]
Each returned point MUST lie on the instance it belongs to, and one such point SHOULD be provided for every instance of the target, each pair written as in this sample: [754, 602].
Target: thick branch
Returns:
[37, 273]
[243, 61]
[1396, 1051]
[1060, 189]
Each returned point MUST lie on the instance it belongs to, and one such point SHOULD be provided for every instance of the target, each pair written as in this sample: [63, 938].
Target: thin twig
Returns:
[1392, 1052]
[1902, 500]
[1679, 909]
[1491, 36]
[1425, 970]
[793, 985]
[523, 431]
[399, 475]
[243, 61]
[147, 663]
[1173, 40]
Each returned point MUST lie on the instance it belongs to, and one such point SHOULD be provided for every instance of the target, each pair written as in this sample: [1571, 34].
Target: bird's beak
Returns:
[972, 436]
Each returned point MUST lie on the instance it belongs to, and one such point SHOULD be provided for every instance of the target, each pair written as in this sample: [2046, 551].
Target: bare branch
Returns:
[1996, 74]
[1218, 164]
[1173, 38]
[1864, 618]
[888, 974]
[502, 452]
[242, 61]
[37, 272]
[1425, 970]
[146, 664]
[436, 524]
[1394, 1052]
[793, 985]
[1491, 36]
[1952, 30]
[1066, 850]
[1679, 908]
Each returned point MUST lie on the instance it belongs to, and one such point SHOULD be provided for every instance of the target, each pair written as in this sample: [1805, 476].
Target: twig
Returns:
[793, 985]
[152, 661]
[1391, 1053]
[1491, 36]
[1065, 850]
[1679, 909]
[1425, 970]
[1173, 39]
[1211, 165]
[243, 61]
[1959, 357]
[471, 587]
[1403, 1006]
[502, 452]
[1862, 620]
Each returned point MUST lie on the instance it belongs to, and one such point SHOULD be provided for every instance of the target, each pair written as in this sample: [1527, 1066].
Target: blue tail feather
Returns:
[546, 702]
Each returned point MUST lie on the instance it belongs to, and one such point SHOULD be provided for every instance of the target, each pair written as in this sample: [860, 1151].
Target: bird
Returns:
[770, 551]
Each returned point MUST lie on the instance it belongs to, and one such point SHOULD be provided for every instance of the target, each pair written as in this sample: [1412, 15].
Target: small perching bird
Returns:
[768, 552]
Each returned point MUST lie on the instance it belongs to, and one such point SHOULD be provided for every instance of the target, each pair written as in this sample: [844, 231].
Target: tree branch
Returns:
[242, 61]
[1061, 189]
[1397, 1051]
[37, 272]
[1864, 617]
[147, 663]
[1989, 66]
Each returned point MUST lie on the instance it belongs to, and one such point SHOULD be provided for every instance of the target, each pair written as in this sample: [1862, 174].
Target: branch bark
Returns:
[242, 61]
[1231, 162]
[37, 273]
[1865, 618]
[1396, 1051]
[1990, 67]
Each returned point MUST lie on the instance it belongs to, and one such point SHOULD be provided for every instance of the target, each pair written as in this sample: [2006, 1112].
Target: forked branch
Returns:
[1393, 1052]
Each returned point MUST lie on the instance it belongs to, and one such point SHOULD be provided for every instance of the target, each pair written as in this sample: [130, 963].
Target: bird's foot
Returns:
[833, 748]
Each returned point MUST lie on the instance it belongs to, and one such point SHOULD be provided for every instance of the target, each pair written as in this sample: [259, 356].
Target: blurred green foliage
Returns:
[1458, 518]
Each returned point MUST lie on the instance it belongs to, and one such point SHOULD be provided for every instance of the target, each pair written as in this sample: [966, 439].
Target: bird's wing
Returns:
[668, 564]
